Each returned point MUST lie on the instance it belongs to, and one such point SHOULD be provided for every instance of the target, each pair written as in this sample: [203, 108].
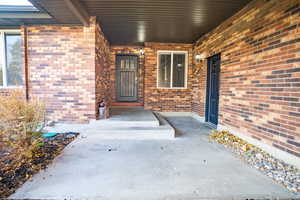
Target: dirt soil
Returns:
[14, 172]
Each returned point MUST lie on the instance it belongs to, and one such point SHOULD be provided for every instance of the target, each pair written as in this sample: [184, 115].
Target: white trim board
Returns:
[3, 61]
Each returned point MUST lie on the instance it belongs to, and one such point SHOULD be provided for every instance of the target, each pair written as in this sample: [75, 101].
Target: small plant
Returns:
[228, 139]
[34, 148]
[19, 120]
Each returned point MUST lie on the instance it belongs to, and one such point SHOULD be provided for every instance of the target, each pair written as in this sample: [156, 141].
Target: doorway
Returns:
[212, 90]
[126, 78]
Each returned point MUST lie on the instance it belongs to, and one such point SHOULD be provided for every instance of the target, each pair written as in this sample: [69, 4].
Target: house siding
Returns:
[61, 62]
[8, 91]
[67, 70]
[166, 100]
[103, 73]
[260, 73]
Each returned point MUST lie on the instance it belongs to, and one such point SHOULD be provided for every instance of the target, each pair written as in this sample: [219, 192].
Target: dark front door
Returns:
[126, 77]
[212, 91]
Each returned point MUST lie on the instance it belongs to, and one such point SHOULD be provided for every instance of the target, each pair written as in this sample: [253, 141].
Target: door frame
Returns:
[137, 76]
[208, 91]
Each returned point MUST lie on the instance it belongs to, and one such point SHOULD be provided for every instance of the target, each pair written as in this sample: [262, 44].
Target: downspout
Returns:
[26, 63]
[144, 75]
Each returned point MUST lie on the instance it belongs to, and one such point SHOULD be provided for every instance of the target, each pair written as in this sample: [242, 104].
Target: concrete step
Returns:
[125, 124]
[164, 131]
[128, 118]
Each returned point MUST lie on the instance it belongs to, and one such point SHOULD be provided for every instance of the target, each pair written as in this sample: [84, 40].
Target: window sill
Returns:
[174, 88]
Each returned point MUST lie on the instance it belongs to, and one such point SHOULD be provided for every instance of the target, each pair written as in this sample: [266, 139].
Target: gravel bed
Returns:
[281, 172]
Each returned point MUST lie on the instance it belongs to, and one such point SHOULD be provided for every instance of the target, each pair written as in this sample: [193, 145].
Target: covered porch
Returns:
[189, 167]
[167, 71]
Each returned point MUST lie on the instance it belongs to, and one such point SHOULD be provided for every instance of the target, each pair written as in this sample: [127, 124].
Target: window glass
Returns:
[178, 70]
[13, 60]
[164, 77]
[127, 63]
[122, 64]
[171, 69]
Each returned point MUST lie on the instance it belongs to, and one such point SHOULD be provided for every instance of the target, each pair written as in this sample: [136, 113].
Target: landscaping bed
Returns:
[16, 168]
[281, 172]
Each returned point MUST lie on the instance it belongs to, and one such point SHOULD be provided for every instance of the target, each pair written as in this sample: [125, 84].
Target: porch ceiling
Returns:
[131, 22]
[136, 21]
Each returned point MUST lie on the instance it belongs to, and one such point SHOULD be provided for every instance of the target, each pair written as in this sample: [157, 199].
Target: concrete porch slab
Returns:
[189, 167]
[163, 131]
[125, 123]
[128, 117]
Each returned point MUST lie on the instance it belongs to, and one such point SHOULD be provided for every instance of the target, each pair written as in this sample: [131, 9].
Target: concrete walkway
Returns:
[188, 167]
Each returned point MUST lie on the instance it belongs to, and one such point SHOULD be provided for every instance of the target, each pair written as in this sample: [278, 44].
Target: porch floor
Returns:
[124, 123]
[130, 116]
[184, 168]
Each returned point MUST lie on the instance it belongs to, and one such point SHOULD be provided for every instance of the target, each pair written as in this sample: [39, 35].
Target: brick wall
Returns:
[166, 100]
[134, 50]
[7, 91]
[68, 69]
[62, 69]
[198, 88]
[260, 72]
[102, 61]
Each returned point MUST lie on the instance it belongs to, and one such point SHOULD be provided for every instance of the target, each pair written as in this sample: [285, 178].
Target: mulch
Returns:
[14, 172]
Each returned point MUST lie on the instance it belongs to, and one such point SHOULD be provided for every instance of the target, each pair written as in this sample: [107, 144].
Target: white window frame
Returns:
[3, 55]
[159, 52]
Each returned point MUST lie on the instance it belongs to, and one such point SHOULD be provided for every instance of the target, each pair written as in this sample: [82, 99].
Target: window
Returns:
[172, 69]
[11, 71]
